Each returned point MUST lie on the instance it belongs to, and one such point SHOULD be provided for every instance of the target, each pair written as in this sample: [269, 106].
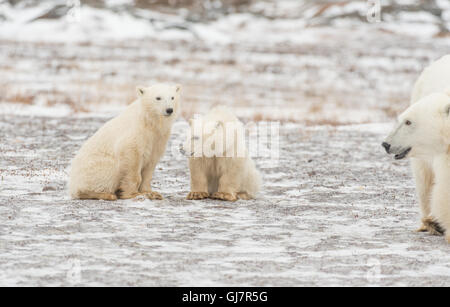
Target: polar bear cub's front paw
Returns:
[153, 195]
[197, 195]
[224, 196]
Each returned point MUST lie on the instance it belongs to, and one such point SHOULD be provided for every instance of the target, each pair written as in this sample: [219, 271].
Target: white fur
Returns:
[434, 79]
[429, 137]
[222, 169]
[119, 159]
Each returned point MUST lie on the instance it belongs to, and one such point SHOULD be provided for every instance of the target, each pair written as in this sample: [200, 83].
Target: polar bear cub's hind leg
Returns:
[93, 179]
[244, 196]
[96, 195]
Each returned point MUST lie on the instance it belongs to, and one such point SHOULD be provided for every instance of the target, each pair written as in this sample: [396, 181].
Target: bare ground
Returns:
[335, 210]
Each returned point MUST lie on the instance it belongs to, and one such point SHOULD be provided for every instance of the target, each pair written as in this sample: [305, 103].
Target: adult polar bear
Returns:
[423, 133]
[119, 159]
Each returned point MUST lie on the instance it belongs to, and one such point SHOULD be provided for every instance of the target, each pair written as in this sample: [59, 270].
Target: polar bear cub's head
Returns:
[201, 137]
[423, 130]
[160, 99]
[216, 134]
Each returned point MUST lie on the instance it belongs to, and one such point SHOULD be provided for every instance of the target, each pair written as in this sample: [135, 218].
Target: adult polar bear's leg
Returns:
[423, 174]
[440, 201]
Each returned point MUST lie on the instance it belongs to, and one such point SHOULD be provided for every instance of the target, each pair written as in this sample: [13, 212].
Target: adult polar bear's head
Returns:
[160, 99]
[423, 130]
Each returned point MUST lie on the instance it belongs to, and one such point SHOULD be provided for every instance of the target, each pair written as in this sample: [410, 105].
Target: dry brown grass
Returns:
[20, 98]
[315, 108]
[15, 96]
[257, 117]
[76, 107]
[198, 4]
[327, 122]
[396, 106]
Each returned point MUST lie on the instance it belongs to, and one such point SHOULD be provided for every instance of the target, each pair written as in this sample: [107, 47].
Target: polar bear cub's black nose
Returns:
[386, 146]
[169, 111]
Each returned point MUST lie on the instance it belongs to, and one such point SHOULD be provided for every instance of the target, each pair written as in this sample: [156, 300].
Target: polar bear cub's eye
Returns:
[158, 98]
[173, 98]
[408, 123]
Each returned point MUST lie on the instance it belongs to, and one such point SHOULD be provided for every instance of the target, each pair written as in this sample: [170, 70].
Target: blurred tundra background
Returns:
[313, 62]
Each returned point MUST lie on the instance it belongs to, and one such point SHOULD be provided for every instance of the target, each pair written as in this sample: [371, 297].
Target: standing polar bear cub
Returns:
[219, 163]
[423, 134]
[119, 159]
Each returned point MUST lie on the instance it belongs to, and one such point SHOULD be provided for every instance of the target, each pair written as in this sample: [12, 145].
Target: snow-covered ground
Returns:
[335, 209]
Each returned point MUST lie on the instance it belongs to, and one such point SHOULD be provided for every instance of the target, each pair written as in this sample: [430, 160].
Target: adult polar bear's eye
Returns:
[173, 98]
[408, 123]
[158, 98]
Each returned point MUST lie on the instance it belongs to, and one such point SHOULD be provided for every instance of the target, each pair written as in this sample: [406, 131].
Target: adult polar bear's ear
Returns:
[140, 90]
[447, 110]
[177, 88]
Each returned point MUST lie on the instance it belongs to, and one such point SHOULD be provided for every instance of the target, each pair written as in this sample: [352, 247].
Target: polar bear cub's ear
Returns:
[447, 110]
[140, 90]
[177, 88]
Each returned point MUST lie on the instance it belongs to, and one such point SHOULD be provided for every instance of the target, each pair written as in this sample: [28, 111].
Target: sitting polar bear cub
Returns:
[220, 165]
[423, 133]
[119, 159]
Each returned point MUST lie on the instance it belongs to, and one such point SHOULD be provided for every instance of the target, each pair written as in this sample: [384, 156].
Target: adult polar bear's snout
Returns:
[397, 141]
[421, 130]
